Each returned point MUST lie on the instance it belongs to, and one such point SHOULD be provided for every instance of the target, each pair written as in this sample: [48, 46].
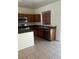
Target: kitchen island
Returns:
[25, 39]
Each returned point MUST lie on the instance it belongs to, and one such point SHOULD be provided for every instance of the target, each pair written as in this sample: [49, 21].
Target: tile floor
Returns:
[42, 50]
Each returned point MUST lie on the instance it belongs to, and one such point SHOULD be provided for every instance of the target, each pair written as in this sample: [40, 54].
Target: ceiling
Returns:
[34, 3]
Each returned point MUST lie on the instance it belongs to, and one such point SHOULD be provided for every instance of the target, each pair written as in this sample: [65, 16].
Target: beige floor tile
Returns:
[42, 50]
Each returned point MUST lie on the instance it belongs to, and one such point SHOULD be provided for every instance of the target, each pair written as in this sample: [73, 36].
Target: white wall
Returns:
[26, 10]
[55, 9]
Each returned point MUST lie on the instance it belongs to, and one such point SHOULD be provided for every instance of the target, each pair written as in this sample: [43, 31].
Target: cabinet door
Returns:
[37, 17]
[30, 17]
[39, 32]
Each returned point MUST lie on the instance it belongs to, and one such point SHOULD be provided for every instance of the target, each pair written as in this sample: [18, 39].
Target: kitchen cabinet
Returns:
[37, 18]
[39, 32]
[31, 17]
[46, 17]
[45, 33]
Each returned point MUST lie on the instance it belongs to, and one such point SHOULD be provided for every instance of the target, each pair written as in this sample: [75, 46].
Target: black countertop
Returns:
[33, 26]
[42, 26]
[23, 31]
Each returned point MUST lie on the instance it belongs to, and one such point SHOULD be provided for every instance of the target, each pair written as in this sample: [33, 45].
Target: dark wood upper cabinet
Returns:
[31, 17]
[46, 17]
[37, 17]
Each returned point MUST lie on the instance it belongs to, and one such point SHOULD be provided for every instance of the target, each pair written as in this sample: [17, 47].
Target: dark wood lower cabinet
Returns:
[47, 34]
[39, 32]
